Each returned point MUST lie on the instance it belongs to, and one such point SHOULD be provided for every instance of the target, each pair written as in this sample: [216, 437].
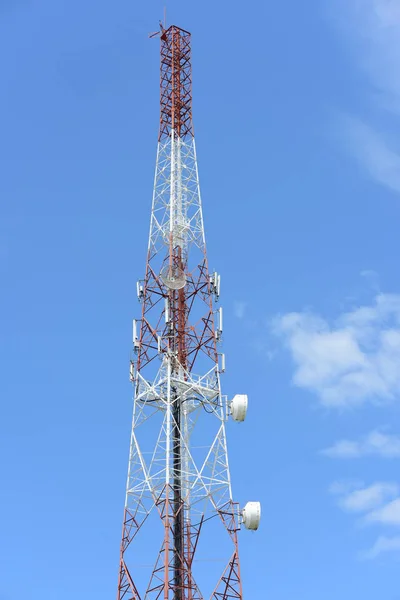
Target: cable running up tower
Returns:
[178, 462]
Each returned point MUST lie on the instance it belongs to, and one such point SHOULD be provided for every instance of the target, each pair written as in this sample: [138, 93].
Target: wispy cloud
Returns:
[351, 360]
[373, 30]
[364, 499]
[373, 152]
[372, 279]
[376, 443]
[239, 309]
[386, 515]
[383, 545]
[378, 504]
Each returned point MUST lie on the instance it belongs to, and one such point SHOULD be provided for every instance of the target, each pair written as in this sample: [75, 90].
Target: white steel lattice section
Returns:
[205, 479]
[176, 199]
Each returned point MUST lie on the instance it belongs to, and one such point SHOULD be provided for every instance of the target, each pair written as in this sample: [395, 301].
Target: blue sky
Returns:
[296, 109]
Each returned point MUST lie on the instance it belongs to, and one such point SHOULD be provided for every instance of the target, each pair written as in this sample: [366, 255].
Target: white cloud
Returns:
[351, 361]
[365, 498]
[386, 515]
[376, 443]
[383, 545]
[378, 503]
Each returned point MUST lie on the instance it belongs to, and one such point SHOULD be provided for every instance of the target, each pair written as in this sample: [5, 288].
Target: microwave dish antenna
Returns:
[173, 276]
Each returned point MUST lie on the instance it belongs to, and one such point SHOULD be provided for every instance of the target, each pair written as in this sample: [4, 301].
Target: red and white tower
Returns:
[178, 488]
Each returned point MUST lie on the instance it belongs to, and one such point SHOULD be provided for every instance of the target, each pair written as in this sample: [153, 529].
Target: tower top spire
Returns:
[175, 82]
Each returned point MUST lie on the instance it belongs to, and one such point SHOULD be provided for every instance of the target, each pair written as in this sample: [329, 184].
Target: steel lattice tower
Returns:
[178, 462]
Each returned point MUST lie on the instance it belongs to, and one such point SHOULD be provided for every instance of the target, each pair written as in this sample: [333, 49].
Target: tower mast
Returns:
[176, 373]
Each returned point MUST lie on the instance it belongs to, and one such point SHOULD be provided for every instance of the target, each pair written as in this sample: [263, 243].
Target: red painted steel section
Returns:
[176, 83]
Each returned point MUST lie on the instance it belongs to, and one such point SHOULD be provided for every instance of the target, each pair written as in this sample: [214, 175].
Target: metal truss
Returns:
[178, 463]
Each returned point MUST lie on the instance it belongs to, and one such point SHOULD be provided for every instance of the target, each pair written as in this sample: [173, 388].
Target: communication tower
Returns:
[178, 488]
